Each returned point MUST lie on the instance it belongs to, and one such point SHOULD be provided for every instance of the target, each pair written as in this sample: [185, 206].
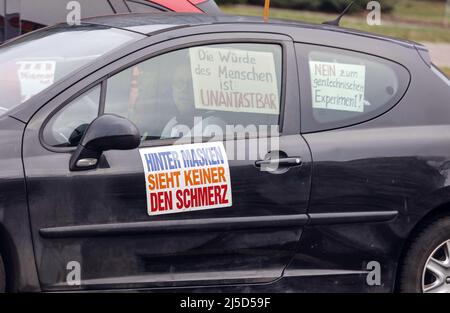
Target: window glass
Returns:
[66, 128]
[137, 7]
[37, 61]
[119, 6]
[37, 12]
[348, 87]
[2, 21]
[12, 18]
[204, 91]
[49, 12]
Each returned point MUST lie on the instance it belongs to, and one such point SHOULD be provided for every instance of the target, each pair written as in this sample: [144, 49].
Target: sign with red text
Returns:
[35, 76]
[234, 80]
[186, 178]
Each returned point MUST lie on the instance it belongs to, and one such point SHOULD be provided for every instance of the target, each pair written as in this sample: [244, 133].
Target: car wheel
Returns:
[2, 276]
[426, 266]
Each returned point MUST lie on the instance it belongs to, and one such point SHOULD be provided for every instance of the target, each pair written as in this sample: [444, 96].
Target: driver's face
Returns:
[182, 91]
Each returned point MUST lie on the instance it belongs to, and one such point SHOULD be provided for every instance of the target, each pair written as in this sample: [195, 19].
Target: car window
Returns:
[138, 7]
[119, 6]
[36, 61]
[345, 87]
[68, 125]
[205, 91]
[440, 74]
[38, 11]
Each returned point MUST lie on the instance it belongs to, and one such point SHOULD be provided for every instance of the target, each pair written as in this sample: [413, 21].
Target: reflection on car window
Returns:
[36, 61]
[201, 91]
[67, 127]
[348, 87]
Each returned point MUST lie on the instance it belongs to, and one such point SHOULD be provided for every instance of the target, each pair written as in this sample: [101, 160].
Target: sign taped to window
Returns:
[186, 178]
[234, 80]
[35, 76]
[338, 86]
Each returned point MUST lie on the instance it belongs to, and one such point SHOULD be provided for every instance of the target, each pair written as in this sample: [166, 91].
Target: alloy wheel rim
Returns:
[436, 272]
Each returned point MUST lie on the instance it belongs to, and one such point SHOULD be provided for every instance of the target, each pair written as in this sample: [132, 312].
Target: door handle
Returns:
[281, 163]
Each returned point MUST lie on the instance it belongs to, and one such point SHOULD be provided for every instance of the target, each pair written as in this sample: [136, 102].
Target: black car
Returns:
[18, 17]
[174, 151]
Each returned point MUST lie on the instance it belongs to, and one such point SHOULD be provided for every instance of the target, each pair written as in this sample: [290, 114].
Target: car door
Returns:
[106, 225]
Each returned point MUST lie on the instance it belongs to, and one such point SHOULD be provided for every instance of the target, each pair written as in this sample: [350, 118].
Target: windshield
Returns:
[35, 62]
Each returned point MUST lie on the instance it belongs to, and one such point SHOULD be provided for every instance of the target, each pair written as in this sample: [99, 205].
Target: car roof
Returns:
[166, 20]
[150, 23]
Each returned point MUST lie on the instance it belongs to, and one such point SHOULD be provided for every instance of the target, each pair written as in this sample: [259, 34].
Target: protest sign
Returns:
[337, 86]
[234, 80]
[186, 178]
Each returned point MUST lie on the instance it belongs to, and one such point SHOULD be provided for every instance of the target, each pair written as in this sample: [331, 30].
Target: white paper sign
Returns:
[337, 86]
[234, 80]
[186, 178]
[35, 76]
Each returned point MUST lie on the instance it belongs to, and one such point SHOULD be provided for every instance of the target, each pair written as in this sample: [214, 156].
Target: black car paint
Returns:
[372, 183]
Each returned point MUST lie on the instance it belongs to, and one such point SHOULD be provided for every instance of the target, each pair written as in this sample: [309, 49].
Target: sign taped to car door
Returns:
[186, 178]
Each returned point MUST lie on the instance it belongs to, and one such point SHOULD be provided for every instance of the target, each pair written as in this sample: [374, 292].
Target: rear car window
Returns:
[346, 87]
[440, 74]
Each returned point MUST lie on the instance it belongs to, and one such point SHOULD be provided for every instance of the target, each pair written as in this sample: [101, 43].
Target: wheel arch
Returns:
[437, 212]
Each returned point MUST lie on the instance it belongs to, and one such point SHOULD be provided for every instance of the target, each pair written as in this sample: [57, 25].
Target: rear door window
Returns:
[343, 88]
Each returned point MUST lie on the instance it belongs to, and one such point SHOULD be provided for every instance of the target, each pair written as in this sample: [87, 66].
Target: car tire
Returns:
[2, 276]
[426, 265]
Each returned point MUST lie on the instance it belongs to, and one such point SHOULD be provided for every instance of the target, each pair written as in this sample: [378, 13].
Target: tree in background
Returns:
[315, 5]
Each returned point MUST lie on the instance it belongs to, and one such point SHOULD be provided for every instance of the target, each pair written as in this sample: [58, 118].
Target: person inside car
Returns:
[188, 120]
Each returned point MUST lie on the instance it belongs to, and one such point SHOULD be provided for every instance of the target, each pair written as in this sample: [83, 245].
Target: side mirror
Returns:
[107, 132]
